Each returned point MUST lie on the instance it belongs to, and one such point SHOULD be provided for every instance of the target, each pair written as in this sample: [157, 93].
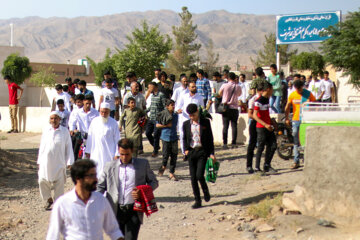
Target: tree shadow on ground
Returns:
[249, 200]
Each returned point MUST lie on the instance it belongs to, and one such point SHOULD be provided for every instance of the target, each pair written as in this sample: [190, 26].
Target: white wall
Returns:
[30, 119]
[345, 89]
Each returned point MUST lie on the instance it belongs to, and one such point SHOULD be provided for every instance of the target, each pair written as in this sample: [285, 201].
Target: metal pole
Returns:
[277, 57]
[11, 34]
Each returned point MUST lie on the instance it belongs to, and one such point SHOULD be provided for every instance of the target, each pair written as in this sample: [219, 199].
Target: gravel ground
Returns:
[22, 215]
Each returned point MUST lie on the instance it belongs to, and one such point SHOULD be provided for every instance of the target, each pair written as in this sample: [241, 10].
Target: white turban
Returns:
[55, 113]
[105, 105]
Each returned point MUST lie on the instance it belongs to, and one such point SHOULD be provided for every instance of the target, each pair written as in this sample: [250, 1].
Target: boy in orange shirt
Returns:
[296, 99]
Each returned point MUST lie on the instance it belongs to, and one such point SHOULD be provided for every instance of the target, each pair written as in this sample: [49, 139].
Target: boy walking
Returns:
[64, 114]
[264, 128]
[13, 102]
[168, 121]
[132, 128]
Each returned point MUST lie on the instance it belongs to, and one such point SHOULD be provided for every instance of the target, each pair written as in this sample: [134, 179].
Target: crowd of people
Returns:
[167, 110]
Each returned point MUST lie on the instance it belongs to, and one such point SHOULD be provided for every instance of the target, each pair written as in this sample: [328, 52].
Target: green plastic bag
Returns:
[211, 170]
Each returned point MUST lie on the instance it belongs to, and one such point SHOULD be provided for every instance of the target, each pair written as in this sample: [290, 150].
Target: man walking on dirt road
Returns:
[55, 153]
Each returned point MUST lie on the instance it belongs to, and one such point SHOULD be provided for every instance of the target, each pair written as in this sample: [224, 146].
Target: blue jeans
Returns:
[275, 100]
[295, 133]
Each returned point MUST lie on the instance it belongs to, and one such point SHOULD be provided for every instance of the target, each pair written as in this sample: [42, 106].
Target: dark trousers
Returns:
[112, 114]
[170, 149]
[141, 147]
[252, 143]
[231, 115]
[129, 223]
[197, 161]
[268, 139]
[326, 100]
[154, 140]
[76, 143]
[205, 101]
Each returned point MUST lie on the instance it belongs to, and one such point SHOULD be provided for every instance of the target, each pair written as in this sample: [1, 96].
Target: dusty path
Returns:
[22, 215]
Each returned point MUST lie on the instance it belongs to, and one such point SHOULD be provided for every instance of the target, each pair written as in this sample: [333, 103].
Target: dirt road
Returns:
[224, 217]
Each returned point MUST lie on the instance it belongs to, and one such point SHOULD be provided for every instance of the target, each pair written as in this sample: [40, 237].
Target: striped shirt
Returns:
[157, 105]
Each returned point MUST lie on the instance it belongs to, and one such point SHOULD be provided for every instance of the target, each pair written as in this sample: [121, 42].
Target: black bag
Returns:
[223, 107]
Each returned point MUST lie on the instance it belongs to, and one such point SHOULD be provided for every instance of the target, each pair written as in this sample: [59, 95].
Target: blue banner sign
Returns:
[304, 28]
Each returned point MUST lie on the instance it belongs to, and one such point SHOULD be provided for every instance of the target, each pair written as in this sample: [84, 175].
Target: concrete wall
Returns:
[31, 119]
[345, 90]
[330, 188]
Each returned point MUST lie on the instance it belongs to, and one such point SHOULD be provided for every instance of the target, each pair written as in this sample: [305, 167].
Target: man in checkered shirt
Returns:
[203, 87]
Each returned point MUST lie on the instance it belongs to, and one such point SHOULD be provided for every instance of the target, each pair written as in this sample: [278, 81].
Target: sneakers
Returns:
[10, 131]
[196, 205]
[295, 166]
[15, 131]
[154, 154]
[250, 170]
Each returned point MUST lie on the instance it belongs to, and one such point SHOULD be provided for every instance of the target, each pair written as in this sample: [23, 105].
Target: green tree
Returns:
[44, 78]
[227, 67]
[183, 58]
[147, 49]
[17, 67]
[343, 49]
[212, 58]
[267, 55]
[101, 67]
[312, 61]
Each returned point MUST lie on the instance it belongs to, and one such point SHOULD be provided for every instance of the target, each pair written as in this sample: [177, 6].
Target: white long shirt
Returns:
[177, 95]
[244, 91]
[185, 100]
[82, 120]
[76, 220]
[102, 142]
[126, 183]
[55, 153]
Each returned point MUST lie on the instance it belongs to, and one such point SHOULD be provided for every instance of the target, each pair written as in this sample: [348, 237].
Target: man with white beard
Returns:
[55, 153]
[184, 101]
[103, 136]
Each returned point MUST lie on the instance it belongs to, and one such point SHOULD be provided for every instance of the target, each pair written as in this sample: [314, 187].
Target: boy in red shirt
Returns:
[264, 128]
[13, 102]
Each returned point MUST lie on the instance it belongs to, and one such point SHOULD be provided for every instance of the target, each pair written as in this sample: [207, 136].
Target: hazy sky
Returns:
[75, 8]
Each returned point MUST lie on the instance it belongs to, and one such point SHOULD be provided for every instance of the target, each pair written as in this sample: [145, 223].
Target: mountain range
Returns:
[236, 36]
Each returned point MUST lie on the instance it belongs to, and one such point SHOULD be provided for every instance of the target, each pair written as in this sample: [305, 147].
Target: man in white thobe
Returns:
[184, 101]
[55, 153]
[180, 90]
[103, 136]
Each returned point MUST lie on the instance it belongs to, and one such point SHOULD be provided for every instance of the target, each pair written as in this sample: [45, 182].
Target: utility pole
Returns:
[11, 34]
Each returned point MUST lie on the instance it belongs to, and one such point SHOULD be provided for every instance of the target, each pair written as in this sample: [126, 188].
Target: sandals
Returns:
[161, 171]
[172, 177]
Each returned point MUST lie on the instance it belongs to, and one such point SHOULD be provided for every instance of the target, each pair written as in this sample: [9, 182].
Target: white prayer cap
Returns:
[55, 113]
[105, 105]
